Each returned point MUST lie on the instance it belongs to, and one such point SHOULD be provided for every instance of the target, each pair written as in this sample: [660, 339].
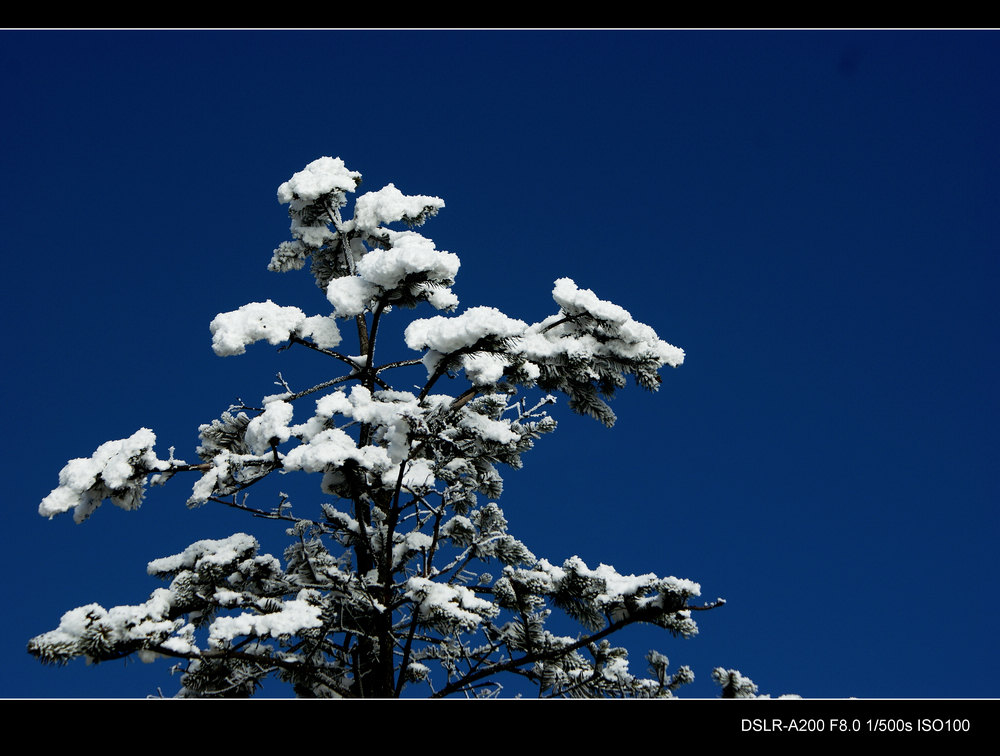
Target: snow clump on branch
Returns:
[257, 321]
[320, 177]
[117, 471]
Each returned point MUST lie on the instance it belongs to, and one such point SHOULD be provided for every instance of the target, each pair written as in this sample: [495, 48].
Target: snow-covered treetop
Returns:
[322, 177]
[404, 267]
[409, 482]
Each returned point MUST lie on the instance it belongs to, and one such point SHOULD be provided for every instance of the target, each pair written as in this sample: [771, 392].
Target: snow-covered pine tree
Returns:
[405, 574]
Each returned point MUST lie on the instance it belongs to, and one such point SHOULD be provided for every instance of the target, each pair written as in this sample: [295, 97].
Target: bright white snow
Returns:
[449, 334]
[115, 470]
[257, 321]
[389, 205]
[320, 177]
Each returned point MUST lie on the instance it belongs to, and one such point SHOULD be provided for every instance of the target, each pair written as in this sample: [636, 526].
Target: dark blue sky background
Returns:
[812, 216]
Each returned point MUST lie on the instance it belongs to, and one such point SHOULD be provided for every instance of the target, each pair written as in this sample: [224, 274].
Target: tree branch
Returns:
[555, 653]
[293, 339]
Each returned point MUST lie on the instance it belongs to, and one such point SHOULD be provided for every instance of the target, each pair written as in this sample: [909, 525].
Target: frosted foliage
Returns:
[381, 407]
[484, 369]
[445, 335]
[270, 428]
[418, 477]
[389, 205]
[410, 254]
[322, 329]
[206, 485]
[409, 544]
[491, 430]
[620, 586]
[88, 628]
[334, 448]
[222, 552]
[442, 299]
[320, 177]
[333, 404]
[266, 321]
[293, 617]
[116, 470]
[350, 295]
[448, 605]
[735, 684]
[575, 300]
[621, 336]
[313, 236]
[389, 413]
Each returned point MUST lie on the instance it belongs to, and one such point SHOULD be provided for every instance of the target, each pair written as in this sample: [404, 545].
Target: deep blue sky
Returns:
[812, 216]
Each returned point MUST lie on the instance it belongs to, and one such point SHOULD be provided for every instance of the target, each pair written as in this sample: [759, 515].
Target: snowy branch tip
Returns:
[117, 471]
